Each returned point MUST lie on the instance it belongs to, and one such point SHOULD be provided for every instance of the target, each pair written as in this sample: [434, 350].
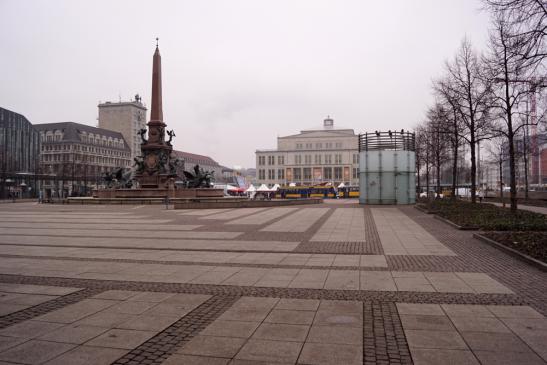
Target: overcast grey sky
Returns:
[236, 74]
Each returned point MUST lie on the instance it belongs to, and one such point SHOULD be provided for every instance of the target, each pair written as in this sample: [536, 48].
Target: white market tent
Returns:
[276, 187]
[342, 185]
[250, 189]
[264, 188]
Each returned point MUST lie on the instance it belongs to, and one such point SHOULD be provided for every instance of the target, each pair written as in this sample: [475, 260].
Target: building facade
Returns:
[19, 156]
[315, 156]
[127, 118]
[205, 162]
[77, 155]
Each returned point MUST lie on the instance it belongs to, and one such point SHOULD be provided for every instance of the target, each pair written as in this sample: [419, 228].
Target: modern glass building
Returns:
[19, 156]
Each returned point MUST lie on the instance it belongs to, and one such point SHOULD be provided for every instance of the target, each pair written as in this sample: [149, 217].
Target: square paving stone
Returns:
[336, 334]
[129, 307]
[270, 351]
[116, 294]
[420, 309]
[106, 319]
[8, 342]
[320, 353]
[479, 324]
[494, 342]
[435, 339]
[35, 352]
[171, 309]
[466, 310]
[11, 308]
[508, 358]
[29, 329]
[341, 306]
[151, 297]
[146, 322]
[194, 360]
[74, 333]
[437, 357]
[121, 339]
[231, 329]
[188, 299]
[514, 311]
[212, 346]
[281, 332]
[87, 355]
[76, 311]
[245, 314]
[420, 322]
[328, 318]
[30, 299]
[290, 316]
[298, 304]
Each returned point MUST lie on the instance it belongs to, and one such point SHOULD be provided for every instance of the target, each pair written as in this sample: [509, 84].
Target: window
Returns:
[328, 159]
[281, 174]
[280, 160]
[338, 144]
[319, 145]
[307, 159]
[327, 173]
[337, 173]
[329, 145]
[261, 174]
[338, 159]
[261, 160]
[297, 159]
[355, 158]
[271, 174]
[309, 146]
[318, 159]
[355, 173]
[299, 146]
[271, 160]
[307, 173]
[297, 173]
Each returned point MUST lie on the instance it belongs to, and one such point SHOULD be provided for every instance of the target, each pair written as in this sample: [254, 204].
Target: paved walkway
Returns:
[330, 284]
[529, 208]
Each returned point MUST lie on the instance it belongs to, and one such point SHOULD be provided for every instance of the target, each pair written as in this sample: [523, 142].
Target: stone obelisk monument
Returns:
[157, 165]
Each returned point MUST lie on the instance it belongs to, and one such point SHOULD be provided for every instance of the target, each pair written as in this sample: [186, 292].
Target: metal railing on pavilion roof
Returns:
[387, 141]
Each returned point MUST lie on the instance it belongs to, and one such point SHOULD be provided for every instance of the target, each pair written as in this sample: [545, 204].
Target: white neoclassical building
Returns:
[314, 156]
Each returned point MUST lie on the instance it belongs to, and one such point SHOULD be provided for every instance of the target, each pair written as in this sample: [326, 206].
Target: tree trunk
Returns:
[512, 172]
[455, 164]
[501, 181]
[526, 163]
[473, 169]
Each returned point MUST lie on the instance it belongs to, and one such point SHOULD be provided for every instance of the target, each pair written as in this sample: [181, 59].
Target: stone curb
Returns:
[519, 255]
[450, 223]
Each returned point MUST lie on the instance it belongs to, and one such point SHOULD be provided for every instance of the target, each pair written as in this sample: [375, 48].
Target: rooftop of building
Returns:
[326, 130]
[71, 131]
[136, 103]
[4, 110]
[195, 157]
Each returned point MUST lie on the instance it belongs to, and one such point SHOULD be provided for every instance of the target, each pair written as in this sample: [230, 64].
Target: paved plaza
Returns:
[335, 283]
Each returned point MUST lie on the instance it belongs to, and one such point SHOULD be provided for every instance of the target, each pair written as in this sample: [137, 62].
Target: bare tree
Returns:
[470, 91]
[437, 140]
[423, 153]
[507, 69]
[527, 21]
[453, 126]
